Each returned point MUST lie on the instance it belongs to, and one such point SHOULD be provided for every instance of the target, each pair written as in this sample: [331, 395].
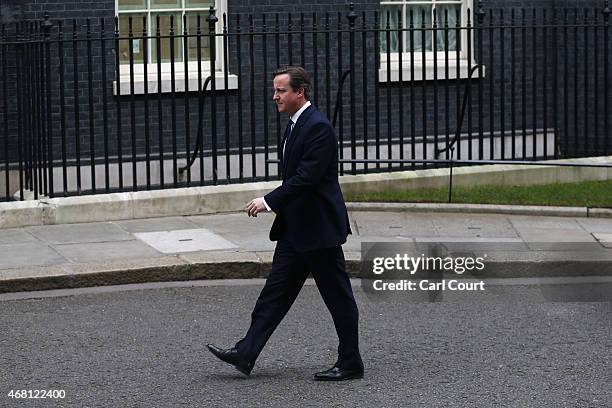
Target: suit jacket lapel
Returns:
[295, 133]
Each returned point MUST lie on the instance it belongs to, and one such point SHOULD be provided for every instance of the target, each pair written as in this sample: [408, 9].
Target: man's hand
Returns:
[255, 206]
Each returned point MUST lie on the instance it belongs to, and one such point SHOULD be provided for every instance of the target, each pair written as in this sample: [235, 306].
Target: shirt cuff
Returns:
[266, 204]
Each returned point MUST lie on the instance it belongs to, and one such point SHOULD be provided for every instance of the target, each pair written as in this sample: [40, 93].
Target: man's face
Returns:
[287, 99]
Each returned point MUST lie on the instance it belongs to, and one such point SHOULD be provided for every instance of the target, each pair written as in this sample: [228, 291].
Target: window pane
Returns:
[132, 4]
[164, 24]
[124, 31]
[192, 27]
[451, 18]
[389, 15]
[421, 17]
[164, 4]
[199, 3]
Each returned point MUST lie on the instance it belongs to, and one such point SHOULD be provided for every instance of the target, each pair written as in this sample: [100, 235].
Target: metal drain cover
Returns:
[188, 240]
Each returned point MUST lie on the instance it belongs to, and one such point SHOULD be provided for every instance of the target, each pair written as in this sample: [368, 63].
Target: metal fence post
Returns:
[212, 21]
[90, 91]
[351, 21]
[3, 63]
[607, 113]
[47, 32]
[555, 85]
[118, 135]
[480, 13]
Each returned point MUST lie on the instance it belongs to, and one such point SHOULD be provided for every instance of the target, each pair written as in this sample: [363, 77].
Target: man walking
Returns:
[310, 226]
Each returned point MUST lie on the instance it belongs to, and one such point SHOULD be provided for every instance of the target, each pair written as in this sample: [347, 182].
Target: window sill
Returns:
[179, 83]
[464, 70]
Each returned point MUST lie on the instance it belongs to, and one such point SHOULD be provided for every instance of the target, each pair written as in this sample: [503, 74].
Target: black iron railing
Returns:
[87, 108]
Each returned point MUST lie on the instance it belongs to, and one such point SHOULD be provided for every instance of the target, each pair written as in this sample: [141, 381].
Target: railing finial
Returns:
[351, 16]
[480, 11]
[47, 24]
[212, 18]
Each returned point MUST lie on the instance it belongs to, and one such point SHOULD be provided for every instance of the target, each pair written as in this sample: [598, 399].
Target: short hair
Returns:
[298, 78]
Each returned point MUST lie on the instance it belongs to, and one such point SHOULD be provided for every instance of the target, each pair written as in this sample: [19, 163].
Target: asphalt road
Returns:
[145, 347]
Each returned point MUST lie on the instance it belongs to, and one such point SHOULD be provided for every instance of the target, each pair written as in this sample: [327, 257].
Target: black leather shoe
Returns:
[338, 374]
[232, 357]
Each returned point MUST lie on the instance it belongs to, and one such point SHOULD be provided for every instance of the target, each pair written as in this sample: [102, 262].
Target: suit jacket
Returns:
[309, 207]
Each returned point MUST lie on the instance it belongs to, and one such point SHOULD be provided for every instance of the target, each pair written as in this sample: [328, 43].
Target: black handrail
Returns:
[451, 146]
[199, 141]
[460, 122]
[339, 96]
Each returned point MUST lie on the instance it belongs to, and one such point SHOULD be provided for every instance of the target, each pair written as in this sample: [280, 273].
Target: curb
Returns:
[483, 209]
[170, 269]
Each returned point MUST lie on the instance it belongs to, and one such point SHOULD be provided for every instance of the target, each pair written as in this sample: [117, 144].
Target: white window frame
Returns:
[179, 66]
[393, 61]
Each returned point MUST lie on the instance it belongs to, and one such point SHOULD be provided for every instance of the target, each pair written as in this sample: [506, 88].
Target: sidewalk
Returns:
[236, 246]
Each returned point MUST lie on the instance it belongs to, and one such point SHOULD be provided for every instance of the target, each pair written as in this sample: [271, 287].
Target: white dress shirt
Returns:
[294, 118]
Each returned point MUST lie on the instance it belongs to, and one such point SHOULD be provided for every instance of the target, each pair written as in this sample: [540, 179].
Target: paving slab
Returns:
[526, 222]
[483, 240]
[251, 233]
[473, 225]
[220, 256]
[80, 233]
[542, 235]
[16, 236]
[255, 242]
[228, 223]
[28, 254]
[366, 223]
[102, 251]
[155, 224]
[603, 225]
[188, 240]
[476, 245]
[354, 242]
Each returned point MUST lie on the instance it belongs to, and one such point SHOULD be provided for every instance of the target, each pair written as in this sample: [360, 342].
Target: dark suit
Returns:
[310, 225]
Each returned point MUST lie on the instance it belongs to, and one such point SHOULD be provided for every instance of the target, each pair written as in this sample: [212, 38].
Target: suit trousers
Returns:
[289, 271]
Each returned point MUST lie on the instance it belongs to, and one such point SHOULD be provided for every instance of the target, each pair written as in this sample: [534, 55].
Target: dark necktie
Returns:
[287, 134]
